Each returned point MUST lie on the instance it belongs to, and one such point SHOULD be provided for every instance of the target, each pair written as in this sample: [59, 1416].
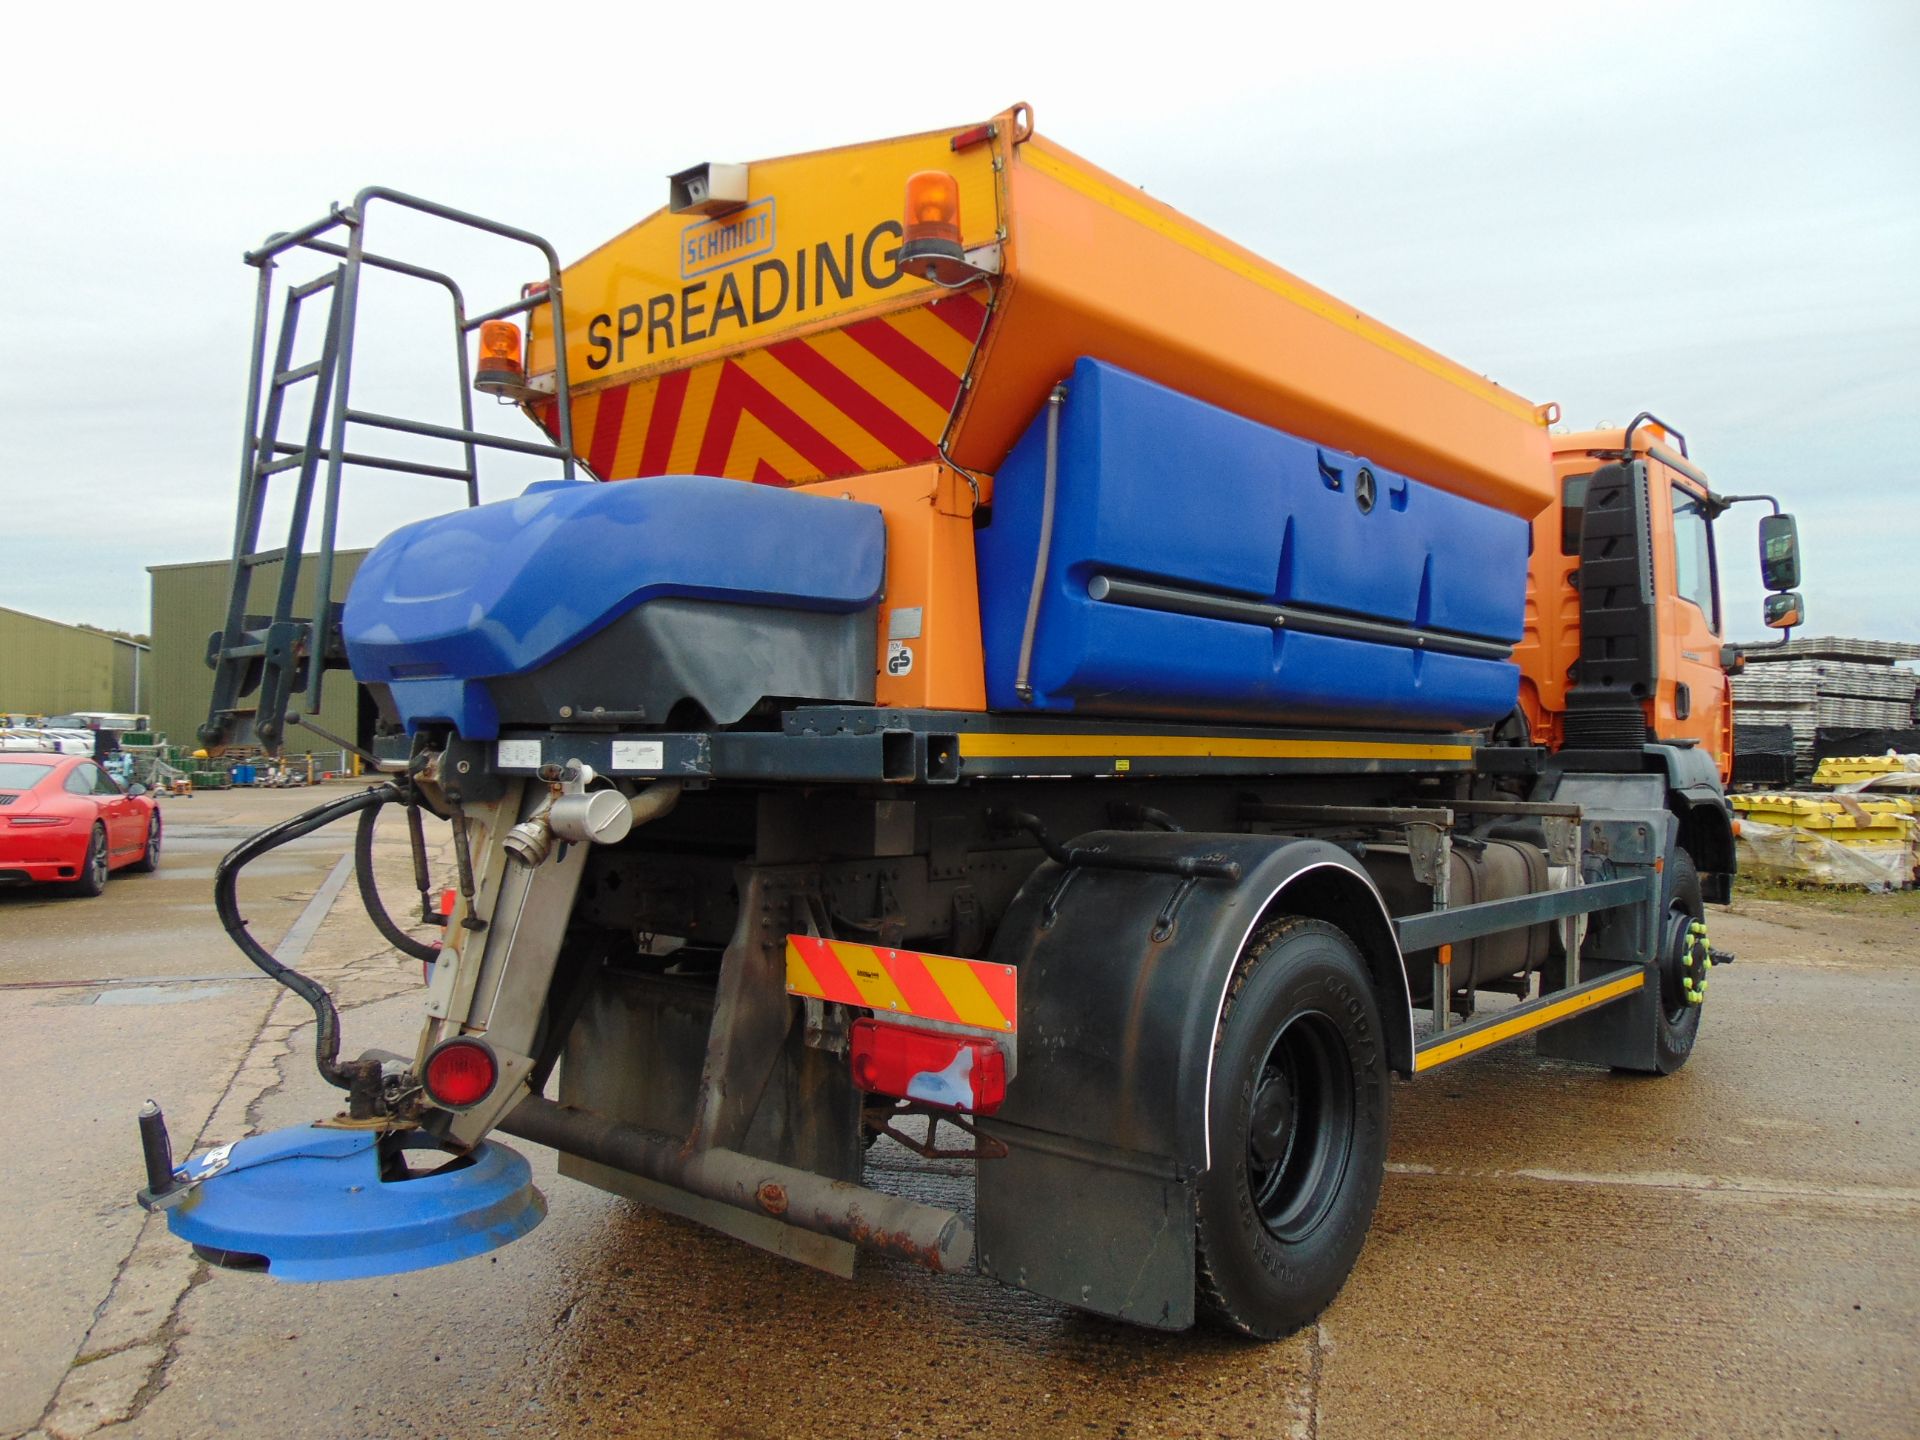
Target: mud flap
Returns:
[1626, 830]
[1128, 1251]
[1623, 1035]
[1123, 972]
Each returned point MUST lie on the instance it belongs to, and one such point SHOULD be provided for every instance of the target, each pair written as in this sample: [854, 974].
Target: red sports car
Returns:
[63, 818]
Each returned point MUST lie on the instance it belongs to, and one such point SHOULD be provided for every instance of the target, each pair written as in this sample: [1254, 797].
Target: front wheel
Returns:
[1297, 1131]
[1682, 964]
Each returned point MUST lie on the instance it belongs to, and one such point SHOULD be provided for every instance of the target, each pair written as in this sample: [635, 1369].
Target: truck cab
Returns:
[1681, 691]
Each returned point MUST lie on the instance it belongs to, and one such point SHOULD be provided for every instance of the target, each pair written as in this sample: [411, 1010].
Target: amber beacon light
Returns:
[930, 239]
[499, 371]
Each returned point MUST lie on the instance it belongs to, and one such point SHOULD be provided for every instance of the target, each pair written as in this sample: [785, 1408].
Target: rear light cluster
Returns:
[460, 1073]
[932, 1067]
[25, 821]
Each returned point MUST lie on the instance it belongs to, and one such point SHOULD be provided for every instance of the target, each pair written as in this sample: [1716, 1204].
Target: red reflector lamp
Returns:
[947, 1072]
[460, 1073]
[499, 371]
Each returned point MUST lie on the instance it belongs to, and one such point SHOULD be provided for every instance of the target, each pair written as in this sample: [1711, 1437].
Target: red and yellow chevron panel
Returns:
[904, 982]
[873, 395]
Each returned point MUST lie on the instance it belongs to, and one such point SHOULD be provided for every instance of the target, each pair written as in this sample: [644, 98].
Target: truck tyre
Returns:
[1297, 1126]
[1677, 1019]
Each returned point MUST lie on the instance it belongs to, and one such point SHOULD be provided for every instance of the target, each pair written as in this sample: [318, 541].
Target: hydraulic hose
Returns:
[226, 903]
[370, 890]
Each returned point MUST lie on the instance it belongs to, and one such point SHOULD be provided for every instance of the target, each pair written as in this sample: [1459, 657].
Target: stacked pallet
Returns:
[1850, 772]
[1826, 683]
[1836, 841]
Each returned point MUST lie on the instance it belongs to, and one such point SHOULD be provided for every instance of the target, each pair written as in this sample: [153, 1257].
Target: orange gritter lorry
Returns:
[997, 666]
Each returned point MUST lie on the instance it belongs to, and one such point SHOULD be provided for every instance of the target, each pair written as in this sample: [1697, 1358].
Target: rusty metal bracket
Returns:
[751, 1010]
[879, 1119]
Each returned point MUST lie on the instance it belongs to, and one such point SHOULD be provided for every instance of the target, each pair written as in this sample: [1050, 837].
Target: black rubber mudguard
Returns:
[1122, 978]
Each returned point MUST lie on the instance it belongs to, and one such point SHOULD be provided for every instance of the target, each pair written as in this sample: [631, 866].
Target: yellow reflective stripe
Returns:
[935, 336]
[1439, 1053]
[1325, 306]
[800, 977]
[696, 406]
[978, 745]
[826, 418]
[870, 977]
[971, 1003]
[634, 425]
[882, 381]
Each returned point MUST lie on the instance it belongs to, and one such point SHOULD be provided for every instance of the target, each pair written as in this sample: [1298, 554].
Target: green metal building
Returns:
[51, 668]
[190, 603]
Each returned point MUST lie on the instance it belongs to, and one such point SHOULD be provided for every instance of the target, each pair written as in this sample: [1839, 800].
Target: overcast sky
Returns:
[1710, 211]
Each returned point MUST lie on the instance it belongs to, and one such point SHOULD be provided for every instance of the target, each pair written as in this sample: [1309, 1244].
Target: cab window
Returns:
[1573, 501]
[1693, 573]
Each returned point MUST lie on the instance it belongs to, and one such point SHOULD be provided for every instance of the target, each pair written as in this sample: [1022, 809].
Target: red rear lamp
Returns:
[977, 135]
[947, 1072]
[460, 1073]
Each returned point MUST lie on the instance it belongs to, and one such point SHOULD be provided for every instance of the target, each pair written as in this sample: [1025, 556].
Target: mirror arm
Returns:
[1724, 503]
[1785, 635]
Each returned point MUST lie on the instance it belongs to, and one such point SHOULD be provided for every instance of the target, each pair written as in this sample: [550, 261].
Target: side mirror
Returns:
[136, 789]
[1779, 554]
[1784, 610]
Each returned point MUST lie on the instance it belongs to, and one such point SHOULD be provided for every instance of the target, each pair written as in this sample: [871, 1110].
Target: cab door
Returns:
[1692, 699]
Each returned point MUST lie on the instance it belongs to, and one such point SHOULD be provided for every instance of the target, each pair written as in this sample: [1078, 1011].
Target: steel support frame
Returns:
[930, 747]
[748, 1032]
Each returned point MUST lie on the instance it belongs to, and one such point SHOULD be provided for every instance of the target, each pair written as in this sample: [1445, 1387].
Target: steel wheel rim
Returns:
[97, 858]
[153, 838]
[1678, 940]
[1300, 1127]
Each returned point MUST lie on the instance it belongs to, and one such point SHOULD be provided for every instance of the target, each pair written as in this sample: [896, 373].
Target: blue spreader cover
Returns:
[1155, 486]
[502, 588]
[315, 1203]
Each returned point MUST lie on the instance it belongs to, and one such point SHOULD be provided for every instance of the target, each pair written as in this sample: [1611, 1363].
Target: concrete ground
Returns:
[1558, 1252]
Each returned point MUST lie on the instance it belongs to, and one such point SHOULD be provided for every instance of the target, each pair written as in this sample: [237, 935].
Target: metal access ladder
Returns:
[262, 664]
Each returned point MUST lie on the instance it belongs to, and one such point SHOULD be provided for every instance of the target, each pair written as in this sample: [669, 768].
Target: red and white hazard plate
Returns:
[904, 983]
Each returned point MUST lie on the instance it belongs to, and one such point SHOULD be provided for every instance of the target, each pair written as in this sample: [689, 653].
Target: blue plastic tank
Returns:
[1203, 566]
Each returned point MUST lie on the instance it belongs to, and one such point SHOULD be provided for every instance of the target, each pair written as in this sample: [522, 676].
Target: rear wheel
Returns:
[93, 870]
[149, 860]
[1297, 1129]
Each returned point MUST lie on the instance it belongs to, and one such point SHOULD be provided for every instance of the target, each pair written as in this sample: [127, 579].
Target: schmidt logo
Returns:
[712, 244]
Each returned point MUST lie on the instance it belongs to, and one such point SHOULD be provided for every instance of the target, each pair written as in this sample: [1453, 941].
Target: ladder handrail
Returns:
[262, 453]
